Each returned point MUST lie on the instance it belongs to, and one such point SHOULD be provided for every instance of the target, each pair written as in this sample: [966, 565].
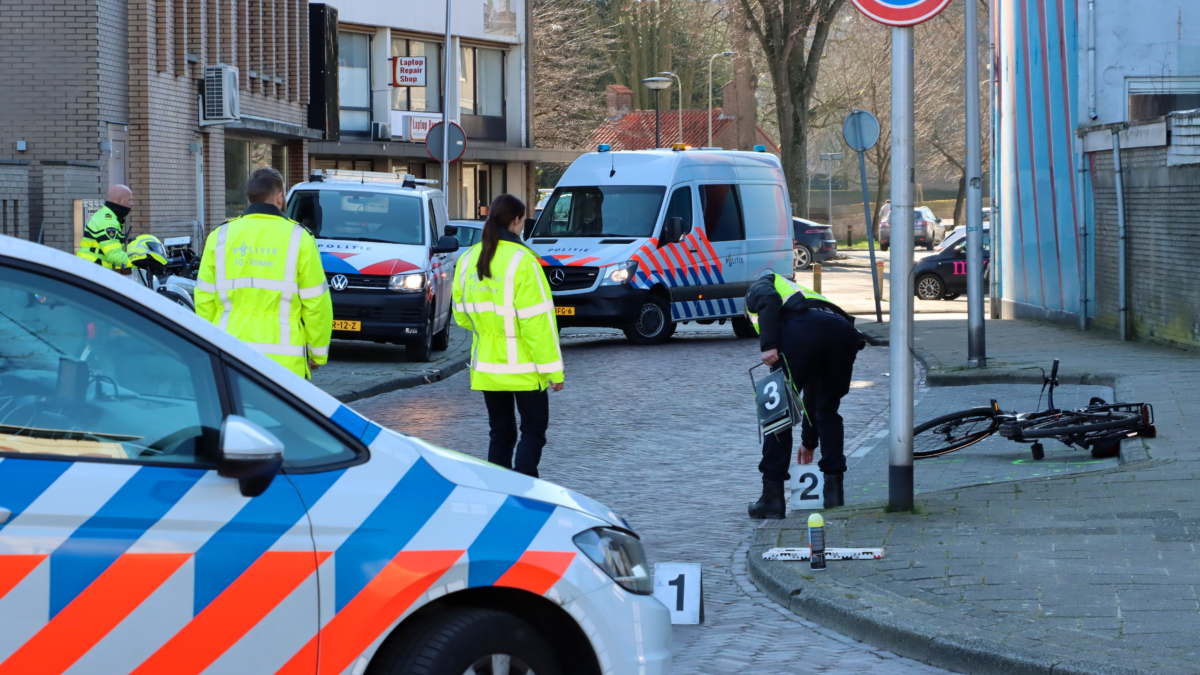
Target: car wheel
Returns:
[653, 324]
[802, 257]
[421, 351]
[743, 328]
[929, 287]
[929, 246]
[883, 246]
[462, 641]
[441, 339]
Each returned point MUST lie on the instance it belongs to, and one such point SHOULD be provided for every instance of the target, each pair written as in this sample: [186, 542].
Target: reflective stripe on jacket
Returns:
[101, 241]
[253, 269]
[786, 288]
[514, 344]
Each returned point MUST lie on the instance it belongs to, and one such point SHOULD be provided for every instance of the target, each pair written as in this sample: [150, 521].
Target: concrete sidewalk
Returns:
[360, 369]
[1093, 572]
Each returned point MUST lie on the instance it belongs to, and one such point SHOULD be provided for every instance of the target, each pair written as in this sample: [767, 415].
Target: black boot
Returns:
[772, 504]
[834, 496]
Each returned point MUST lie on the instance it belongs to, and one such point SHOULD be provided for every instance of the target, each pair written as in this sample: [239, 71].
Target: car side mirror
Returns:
[672, 231]
[529, 223]
[446, 244]
[249, 453]
[451, 230]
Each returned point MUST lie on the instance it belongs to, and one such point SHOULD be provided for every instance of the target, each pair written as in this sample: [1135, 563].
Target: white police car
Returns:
[173, 502]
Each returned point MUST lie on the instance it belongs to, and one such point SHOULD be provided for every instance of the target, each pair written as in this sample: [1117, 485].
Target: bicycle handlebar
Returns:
[1054, 371]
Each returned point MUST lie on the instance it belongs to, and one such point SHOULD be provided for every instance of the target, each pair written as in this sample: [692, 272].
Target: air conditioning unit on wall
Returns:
[220, 104]
[381, 131]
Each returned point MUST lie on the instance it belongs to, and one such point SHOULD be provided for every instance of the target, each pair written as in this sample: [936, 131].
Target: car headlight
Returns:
[620, 555]
[407, 283]
[621, 273]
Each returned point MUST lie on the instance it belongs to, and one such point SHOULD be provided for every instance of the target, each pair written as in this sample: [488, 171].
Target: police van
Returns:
[172, 501]
[649, 239]
[387, 254]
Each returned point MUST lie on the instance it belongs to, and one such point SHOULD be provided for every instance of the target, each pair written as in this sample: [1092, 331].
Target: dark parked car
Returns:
[943, 276]
[928, 230]
[812, 242]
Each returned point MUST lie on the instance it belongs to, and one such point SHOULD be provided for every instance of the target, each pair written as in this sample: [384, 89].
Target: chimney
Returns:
[620, 100]
[729, 106]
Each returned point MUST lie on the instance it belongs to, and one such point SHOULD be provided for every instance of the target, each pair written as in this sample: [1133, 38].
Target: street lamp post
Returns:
[710, 62]
[831, 157]
[657, 84]
[679, 99]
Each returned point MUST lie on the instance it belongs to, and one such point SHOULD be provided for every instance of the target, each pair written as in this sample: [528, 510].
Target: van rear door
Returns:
[768, 237]
[724, 235]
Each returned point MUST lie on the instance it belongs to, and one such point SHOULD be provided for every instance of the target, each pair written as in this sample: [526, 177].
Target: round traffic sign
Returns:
[861, 130]
[900, 12]
[458, 142]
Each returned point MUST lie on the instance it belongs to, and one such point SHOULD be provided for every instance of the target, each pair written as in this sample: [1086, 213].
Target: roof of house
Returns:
[634, 130]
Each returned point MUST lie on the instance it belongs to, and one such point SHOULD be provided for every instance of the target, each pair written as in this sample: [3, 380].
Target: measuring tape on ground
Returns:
[830, 554]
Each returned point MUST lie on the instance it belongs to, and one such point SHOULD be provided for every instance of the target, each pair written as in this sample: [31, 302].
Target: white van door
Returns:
[768, 237]
[723, 235]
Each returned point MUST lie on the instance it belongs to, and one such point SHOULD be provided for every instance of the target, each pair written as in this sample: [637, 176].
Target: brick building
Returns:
[109, 91]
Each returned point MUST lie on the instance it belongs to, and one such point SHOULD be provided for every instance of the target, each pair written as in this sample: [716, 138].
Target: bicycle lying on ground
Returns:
[1100, 426]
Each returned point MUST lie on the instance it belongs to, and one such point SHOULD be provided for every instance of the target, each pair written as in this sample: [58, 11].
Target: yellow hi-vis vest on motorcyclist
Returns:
[511, 315]
[101, 241]
[261, 280]
[786, 289]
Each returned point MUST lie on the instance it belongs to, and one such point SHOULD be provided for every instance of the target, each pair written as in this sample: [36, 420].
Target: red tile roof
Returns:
[635, 130]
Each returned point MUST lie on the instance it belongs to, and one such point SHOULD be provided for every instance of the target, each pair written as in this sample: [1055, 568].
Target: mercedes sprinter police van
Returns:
[648, 239]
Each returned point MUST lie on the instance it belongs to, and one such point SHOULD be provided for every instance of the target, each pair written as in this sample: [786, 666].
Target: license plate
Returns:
[347, 325]
[564, 311]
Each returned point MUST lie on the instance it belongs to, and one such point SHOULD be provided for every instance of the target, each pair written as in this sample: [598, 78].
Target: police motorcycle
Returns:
[170, 273]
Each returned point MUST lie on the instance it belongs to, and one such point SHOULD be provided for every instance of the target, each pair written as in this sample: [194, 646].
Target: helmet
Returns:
[146, 248]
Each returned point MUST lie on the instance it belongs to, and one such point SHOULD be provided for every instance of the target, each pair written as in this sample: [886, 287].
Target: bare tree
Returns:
[792, 34]
[568, 64]
[745, 79]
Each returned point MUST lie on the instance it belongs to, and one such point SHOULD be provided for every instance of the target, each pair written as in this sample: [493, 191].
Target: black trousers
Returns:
[820, 349]
[534, 407]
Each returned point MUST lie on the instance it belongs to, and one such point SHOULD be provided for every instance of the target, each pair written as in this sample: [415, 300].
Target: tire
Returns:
[421, 352]
[930, 287]
[802, 257]
[743, 329]
[441, 339]
[952, 432]
[883, 246]
[458, 641]
[929, 247]
[1070, 423]
[653, 324]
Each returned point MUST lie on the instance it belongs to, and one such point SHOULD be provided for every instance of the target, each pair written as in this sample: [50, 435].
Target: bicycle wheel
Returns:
[1071, 423]
[953, 432]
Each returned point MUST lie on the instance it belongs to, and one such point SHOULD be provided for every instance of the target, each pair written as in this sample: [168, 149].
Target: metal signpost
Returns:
[902, 17]
[976, 349]
[445, 113]
[861, 131]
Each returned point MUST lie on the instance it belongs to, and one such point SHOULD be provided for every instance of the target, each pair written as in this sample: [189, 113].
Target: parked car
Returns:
[174, 500]
[812, 242]
[958, 233]
[383, 245]
[928, 230]
[943, 276]
[468, 232]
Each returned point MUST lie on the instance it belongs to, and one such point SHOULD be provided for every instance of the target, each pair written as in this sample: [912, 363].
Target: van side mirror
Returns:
[249, 453]
[451, 230]
[529, 223]
[447, 244]
[672, 231]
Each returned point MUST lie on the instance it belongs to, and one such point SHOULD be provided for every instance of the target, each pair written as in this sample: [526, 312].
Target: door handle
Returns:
[5, 514]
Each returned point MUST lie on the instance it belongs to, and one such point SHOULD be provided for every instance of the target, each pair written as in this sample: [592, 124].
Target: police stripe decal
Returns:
[24, 480]
[505, 538]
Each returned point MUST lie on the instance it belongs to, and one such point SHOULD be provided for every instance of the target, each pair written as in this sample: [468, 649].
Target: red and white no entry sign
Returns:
[900, 12]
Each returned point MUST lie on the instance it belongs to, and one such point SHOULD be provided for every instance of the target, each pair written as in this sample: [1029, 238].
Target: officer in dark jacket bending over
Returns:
[820, 344]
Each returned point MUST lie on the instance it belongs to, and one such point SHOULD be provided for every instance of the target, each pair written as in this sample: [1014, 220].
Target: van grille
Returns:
[573, 278]
[362, 280]
[385, 314]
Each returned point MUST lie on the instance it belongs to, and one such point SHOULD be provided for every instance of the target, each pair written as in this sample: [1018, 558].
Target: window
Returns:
[354, 81]
[618, 211]
[358, 216]
[81, 376]
[766, 212]
[433, 224]
[722, 213]
[241, 159]
[481, 82]
[468, 236]
[420, 99]
[1151, 97]
[680, 206]
[305, 443]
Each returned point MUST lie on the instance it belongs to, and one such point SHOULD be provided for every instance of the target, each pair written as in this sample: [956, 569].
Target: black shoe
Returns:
[834, 495]
[771, 505]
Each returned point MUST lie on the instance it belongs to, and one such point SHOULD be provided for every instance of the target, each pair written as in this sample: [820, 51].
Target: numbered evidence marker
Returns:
[775, 411]
[677, 585]
[807, 487]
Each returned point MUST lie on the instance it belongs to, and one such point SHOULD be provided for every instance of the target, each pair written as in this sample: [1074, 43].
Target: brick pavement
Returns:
[361, 369]
[666, 436]
[1078, 572]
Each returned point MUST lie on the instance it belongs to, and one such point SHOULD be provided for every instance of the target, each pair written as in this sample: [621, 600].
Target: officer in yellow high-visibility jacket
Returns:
[104, 235]
[261, 279]
[501, 295]
[819, 343]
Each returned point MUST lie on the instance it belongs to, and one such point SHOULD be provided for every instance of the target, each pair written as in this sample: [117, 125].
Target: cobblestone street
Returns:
[666, 436]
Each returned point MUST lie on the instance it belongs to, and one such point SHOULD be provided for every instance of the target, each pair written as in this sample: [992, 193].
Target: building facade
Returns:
[392, 68]
[108, 91]
[1072, 79]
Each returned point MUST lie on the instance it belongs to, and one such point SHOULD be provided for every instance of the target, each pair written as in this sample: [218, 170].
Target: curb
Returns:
[406, 381]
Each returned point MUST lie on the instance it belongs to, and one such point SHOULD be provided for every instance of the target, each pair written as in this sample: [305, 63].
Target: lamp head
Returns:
[657, 82]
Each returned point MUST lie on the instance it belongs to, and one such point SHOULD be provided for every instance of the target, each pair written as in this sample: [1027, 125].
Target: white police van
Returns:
[172, 501]
[648, 239]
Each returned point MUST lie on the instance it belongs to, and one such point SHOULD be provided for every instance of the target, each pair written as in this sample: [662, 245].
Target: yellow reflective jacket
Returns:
[101, 242]
[253, 270]
[511, 317]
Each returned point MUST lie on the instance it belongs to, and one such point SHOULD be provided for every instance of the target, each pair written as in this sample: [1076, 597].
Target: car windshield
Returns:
[617, 211]
[354, 215]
